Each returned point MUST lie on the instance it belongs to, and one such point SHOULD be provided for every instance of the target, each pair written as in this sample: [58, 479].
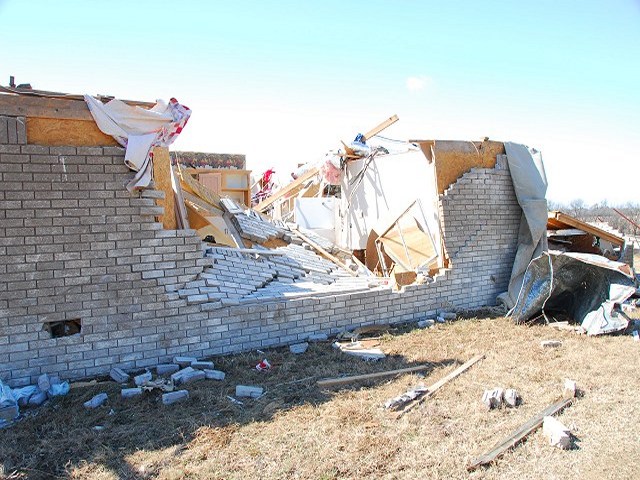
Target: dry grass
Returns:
[299, 431]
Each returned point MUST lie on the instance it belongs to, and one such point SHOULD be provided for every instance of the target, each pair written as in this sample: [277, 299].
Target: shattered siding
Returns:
[75, 244]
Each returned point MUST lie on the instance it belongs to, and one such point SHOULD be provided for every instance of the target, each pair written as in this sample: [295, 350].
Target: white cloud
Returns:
[417, 83]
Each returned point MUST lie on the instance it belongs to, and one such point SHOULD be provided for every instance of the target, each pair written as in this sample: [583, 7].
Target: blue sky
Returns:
[284, 81]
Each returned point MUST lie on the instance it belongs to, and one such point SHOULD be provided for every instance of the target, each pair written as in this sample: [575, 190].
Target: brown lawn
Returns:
[297, 430]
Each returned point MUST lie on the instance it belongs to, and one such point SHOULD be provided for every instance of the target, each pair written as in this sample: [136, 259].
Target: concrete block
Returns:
[248, 391]
[44, 383]
[427, 323]
[118, 375]
[173, 397]
[299, 348]
[167, 368]
[493, 398]
[130, 392]
[186, 375]
[214, 374]
[558, 435]
[570, 388]
[202, 365]
[318, 337]
[184, 361]
[143, 378]
[511, 397]
[96, 401]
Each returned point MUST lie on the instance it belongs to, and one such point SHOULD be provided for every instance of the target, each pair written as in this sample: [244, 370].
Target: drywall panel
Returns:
[389, 185]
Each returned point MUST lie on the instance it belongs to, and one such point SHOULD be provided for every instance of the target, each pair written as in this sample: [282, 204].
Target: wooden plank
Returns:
[324, 253]
[28, 106]
[442, 382]
[378, 128]
[330, 382]
[45, 94]
[517, 436]
[163, 178]
[575, 223]
[181, 210]
[55, 132]
[626, 218]
[197, 188]
[202, 204]
[262, 206]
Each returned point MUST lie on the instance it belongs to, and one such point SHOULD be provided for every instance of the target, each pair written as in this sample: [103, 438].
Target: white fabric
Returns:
[138, 130]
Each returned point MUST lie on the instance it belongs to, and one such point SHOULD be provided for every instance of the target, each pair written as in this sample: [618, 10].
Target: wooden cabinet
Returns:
[235, 184]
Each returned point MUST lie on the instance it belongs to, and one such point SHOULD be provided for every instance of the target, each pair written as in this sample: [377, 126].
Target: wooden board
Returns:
[516, 437]
[287, 189]
[204, 226]
[378, 128]
[330, 382]
[419, 250]
[38, 107]
[442, 382]
[454, 158]
[54, 132]
[162, 178]
[197, 188]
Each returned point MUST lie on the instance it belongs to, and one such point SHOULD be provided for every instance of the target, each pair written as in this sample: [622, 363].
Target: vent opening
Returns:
[64, 328]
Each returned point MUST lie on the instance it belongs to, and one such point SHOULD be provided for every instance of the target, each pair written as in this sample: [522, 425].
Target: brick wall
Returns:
[74, 244]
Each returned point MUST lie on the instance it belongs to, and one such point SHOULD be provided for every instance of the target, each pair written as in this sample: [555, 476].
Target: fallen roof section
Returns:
[561, 221]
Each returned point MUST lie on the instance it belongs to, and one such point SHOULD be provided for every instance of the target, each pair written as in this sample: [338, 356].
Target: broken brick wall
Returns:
[75, 244]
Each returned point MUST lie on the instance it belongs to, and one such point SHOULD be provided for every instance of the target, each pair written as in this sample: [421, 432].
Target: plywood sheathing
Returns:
[453, 158]
[162, 178]
[56, 122]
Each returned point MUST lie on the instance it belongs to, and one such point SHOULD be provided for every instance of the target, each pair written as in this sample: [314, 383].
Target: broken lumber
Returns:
[263, 205]
[331, 382]
[430, 391]
[517, 436]
[378, 128]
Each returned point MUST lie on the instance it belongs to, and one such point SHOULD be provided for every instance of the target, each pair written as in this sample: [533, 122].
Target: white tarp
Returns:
[139, 130]
[530, 184]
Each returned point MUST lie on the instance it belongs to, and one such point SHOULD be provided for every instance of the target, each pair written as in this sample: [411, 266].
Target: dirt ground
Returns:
[297, 430]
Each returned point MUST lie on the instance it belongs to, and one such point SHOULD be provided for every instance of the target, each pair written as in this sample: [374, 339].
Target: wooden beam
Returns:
[575, 223]
[442, 382]
[324, 253]
[377, 129]
[517, 436]
[27, 106]
[163, 178]
[626, 218]
[197, 188]
[262, 206]
[330, 382]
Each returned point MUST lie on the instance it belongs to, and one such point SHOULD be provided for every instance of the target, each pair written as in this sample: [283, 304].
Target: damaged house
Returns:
[95, 275]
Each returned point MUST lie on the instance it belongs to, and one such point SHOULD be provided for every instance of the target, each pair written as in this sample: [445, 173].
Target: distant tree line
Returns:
[602, 212]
